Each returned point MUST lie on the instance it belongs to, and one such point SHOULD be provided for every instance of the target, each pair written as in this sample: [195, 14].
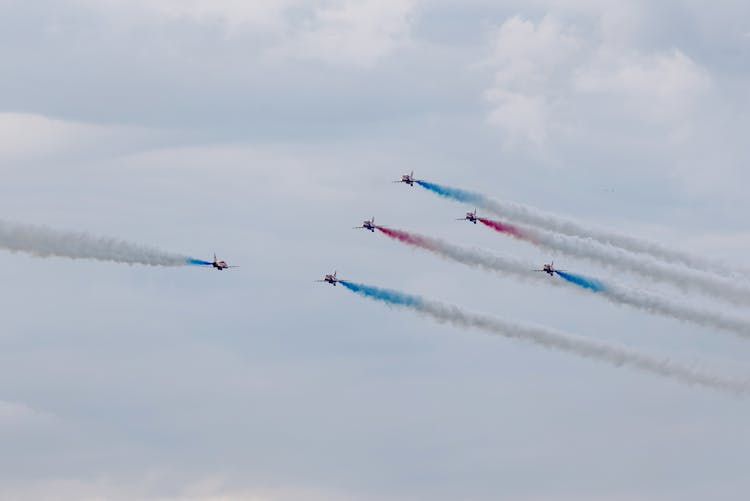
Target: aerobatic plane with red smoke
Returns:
[470, 216]
[367, 224]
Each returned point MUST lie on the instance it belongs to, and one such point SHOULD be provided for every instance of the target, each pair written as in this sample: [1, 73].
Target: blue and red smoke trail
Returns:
[588, 348]
[611, 257]
[544, 220]
[610, 291]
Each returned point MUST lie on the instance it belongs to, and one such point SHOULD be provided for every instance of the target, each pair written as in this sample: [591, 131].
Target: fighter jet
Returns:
[221, 265]
[407, 178]
[331, 279]
[549, 269]
[470, 216]
[367, 224]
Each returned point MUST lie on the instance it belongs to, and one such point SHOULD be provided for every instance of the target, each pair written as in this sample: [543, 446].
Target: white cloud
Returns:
[661, 85]
[234, 14]
[351, 32]
[13, 413]
[344, 32]
[521, 116]
[28, 137]
[525, 52]
[150, 488]
[550, 75]
[526, 57]
[16, 417]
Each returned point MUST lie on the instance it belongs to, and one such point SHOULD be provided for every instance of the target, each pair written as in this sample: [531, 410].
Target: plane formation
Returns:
[369, 224]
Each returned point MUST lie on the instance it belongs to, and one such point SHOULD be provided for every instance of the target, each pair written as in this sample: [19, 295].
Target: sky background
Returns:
[263, 131]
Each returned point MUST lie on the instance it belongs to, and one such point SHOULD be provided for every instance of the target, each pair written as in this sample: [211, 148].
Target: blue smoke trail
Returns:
[586, 283]
[454, 193]
[198, 262]
[386, 295]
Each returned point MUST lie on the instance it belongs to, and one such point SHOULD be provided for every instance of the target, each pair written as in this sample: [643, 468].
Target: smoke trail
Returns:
[454, 193]
[504, 228]
[588, 348]
[44, 242]
[610, 291]
[386, 295]
[581, 281]
[198, 262]
[547, 221]
[615, 258]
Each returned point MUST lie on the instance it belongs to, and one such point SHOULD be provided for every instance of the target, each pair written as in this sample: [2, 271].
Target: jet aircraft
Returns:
[221, 265]
[331, 279]
[407, 178]
[367, 224]
[549, 269]
[470, 216]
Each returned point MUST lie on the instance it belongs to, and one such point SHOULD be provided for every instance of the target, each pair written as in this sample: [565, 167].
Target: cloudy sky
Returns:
[263, 131]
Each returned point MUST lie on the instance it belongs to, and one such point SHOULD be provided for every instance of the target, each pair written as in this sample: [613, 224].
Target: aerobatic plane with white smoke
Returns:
[470, 216]
[367, 224]
[549, 269]
[407, 178]
[331, 279]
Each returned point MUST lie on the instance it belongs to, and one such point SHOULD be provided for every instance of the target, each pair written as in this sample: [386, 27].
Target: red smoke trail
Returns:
[506, 228]
[406, 237]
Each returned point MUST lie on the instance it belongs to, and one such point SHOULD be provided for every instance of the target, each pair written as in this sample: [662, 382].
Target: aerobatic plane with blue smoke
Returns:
[407, 178]
[550, 269]
[216, 263]
[330, 278]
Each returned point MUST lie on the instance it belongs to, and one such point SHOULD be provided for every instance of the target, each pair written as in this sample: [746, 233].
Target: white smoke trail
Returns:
[612, 292]
[585, 347]
[534, 217]
[617, 259]
[44, 242]
[588, 348]
[683, 312]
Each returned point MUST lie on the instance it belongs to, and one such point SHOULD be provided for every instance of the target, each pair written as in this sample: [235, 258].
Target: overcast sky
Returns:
[263, 131]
